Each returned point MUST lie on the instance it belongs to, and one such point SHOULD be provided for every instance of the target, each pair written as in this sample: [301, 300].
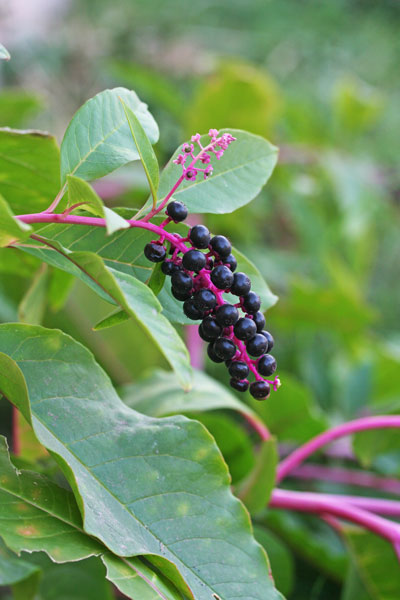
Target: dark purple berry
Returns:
[266, 365]
[241, 284]
[227, 315]
[259, 320]
[222, 277]
[191, 311]
[200, 236]
[221, 245]
[257, 345]
[181, 281]
[212, 355]
[240, 386]
[251, 302]
[231, 262]
[205, 300]
[224, 348]
[260, 390]
[238, 369]
[194, 260]
[245, 329]
[168, 267]
[154, 252]
[204, 336]
[177, 211]
[180, 295]
[269, 339]
[211, 328]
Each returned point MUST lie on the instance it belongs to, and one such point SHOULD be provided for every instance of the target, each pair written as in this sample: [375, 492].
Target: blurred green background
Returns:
[320, 79]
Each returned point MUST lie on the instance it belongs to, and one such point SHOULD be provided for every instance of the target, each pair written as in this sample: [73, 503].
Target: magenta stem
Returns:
[367, 423]
[195, 346]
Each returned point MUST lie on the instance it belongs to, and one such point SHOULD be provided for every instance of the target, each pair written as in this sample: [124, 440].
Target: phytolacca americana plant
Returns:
[202, 269]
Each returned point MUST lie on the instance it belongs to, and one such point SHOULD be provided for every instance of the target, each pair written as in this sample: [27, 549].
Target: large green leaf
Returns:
[281, 559]
[159, 485]
[29, 169]
[12, 568]
[237, 177]
[11, 229]
[98, 139]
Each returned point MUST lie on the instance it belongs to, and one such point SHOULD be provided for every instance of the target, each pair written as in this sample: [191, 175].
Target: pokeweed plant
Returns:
[149, 494]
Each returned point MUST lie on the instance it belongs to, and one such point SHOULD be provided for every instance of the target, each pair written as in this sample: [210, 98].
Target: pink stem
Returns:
[299, 455]
[347, 476]
[195, 346]
[258, 426]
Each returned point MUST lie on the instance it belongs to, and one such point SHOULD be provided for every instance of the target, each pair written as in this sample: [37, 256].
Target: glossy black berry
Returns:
[204, 336]
[181, 281]
[257, 345]
[241, 284]
[259, 320]
[194, 260]
[200, 236]
[168, 267]
[266, 365]
[269, 339]
[231, 262]
[251, 302]
[177, 211]
[245, 329]
[180, 295]
[260, 390]
[224, 348]
[205, 300]
[238, 369]
[221, 245]
[191, 311]
[240, 386]
[227, 315]
[222, 277]
[211, 328]
[154, 252]
[212, 355]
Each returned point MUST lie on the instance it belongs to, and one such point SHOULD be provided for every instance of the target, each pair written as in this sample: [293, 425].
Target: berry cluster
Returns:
[200, 274]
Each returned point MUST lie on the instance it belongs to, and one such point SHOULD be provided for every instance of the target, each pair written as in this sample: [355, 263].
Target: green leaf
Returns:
[80, 192]
[33, 304]
[60, 286]
[145, 150]
[256, 490]
[11, 229]
[159, 485]
[237, 178]
[16, 106]
[4, 53]
[29, 169]
[12, 568]
[280, 557]
[157, 279]
[115, 318]
[98, 140]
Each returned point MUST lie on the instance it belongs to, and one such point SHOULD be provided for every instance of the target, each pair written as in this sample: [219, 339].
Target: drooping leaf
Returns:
[159, 484]
[60, 286]
[79, 191]
[98, 139]
[33, 304]
[12, 568]
[29, 169]
[157, 279]
[145, 150]
[256, 489]
[4, 53]
[11, 229]
[237, 178]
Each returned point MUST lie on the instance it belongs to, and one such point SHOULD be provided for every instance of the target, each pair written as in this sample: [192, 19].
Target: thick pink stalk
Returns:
[299, 455]
[195, 346]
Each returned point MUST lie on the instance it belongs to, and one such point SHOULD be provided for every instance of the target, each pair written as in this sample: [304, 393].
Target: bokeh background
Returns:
[320, 79]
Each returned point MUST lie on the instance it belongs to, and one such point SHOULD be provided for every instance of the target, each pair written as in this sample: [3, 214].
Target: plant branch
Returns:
[56, 200]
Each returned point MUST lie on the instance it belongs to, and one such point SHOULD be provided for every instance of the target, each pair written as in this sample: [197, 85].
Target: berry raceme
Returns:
[202, 268]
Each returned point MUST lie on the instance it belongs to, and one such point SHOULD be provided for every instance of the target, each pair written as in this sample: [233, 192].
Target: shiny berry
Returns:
[221, 245]
[241, 284]
[181, 296]
[211, 328]
[227, 315]
[266, 365]
[260, 390]
[224, 348]
[154, 252]
[191, 311]
[257, 345]
[245, 329]
[251, 302]
[269, 339]
[177, 211]
[231, 262]
[212, 355]
[205, 300]
[238, 369]
[240, 386]
[181, 281]
[168, 267]
[259, 320]
[194, 260]
[200, 236]
[222, 277]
